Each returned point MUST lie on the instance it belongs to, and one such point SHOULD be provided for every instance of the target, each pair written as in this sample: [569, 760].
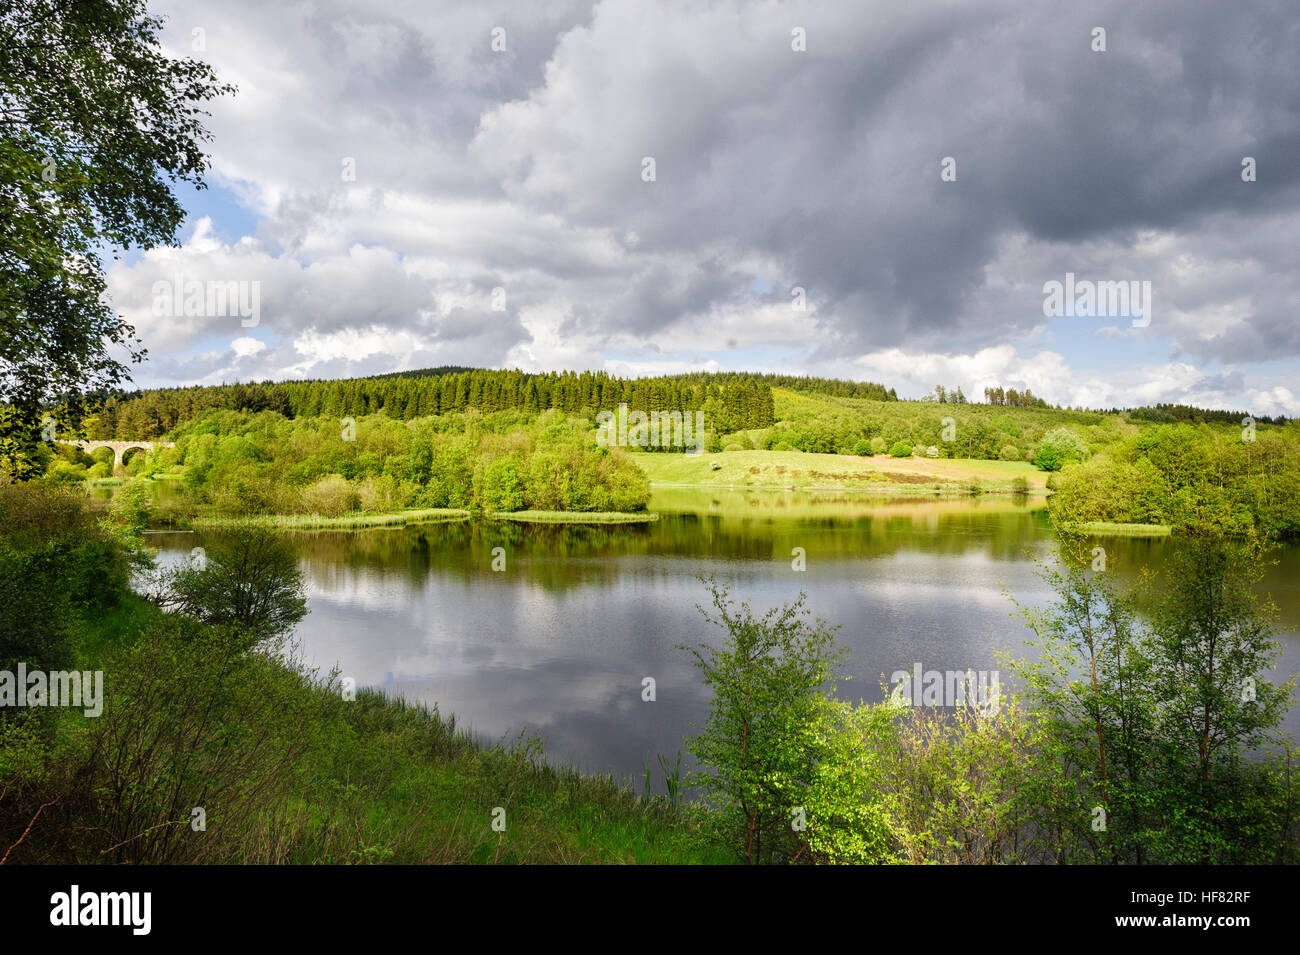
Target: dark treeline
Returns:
[829, 386]
[1010, 398]
[731, 401]
[1172, 414]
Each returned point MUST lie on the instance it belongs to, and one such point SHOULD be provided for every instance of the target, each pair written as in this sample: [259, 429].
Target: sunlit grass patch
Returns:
[300, 522]
[576, 517]
[1110, 529]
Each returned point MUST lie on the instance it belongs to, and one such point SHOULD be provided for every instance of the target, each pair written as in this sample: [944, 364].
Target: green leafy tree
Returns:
[1048, 458]
[1091, 687]
[247, 580]
[848, 813]
[1155, 719]
[1059, 446]
[96, 123]
[503, 486]
[765, 734]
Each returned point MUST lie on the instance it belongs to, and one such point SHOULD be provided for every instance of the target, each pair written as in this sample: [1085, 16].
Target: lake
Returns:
[560, 641]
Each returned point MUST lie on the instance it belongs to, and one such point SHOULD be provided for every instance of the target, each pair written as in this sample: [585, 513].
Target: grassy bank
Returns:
[769, 504]
[572, 517]
[1109, 529]
[290, 770]
[361, 521]
[798, 470]
[301, 522]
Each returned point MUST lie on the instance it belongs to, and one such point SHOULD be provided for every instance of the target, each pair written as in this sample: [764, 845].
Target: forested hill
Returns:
[730, 400]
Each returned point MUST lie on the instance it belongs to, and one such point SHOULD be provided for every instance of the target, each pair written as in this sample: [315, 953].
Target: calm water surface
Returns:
[560, 641]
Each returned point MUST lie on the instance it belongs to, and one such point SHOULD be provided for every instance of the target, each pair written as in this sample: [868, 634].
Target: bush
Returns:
[1058, 447]
[130, 508]
[847, 810]
[901, 449]
[503, 488]
[1048, 458]
[193, 721]
[381, 494]
[862, 448]
[878, 445]
[330, 496]
[65, 473]
[56, 564]
[248, 580]
[1009, 452]
[766, 732]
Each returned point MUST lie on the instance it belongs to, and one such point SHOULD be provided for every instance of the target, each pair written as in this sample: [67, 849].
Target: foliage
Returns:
[248, 580]
[284, 767]
[258, 464]
[96, 123]
[56, 565]
[130, 508]
[763, 738]
[1186, 475]
[1154, 720]
[330, 496]
[729, 401]
[1059, 447]
[1132, 740]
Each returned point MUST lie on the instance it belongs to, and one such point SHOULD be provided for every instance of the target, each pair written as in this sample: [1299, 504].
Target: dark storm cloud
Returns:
[522, 169]
[829, 161]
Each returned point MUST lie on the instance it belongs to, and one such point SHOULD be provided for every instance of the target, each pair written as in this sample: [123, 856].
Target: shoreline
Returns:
[898, 490]
[395, 519]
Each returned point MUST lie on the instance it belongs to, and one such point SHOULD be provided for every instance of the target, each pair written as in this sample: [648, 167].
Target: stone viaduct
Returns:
[120, 448]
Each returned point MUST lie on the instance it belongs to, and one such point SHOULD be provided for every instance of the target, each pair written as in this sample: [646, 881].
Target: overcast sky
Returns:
[819, 168]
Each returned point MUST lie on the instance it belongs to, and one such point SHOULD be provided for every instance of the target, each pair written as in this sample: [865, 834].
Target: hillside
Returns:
[798, 470]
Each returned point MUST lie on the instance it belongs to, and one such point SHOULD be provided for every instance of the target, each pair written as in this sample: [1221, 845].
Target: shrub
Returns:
[248, 580]
[878, 445]
[194, 721]
[862, 448]
[1059, 446]
[503, 488]
[847, 810]
[383, 493]
[63, 472]
[130, 508]
[1009, 452]
[56, 562]
[330, 496]
[1048, 458]
[766, 732]
[901, 449]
